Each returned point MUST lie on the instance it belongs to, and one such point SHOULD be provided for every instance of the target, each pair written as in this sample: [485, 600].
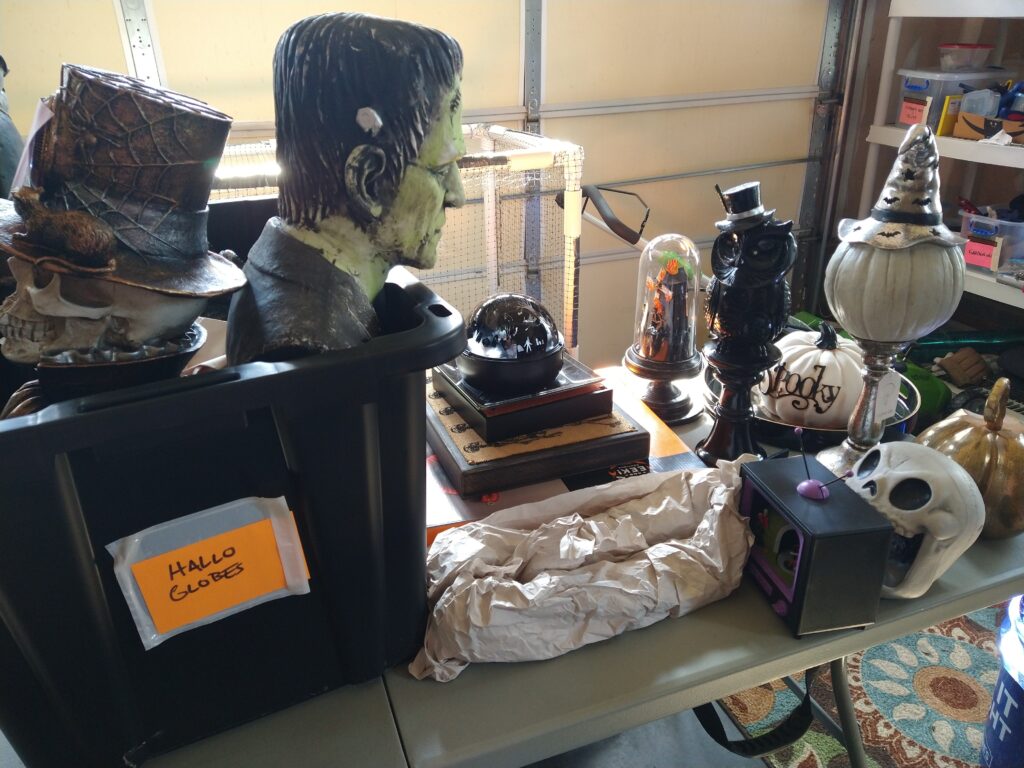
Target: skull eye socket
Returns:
[41, 277]
[869, 463]
[910, 494]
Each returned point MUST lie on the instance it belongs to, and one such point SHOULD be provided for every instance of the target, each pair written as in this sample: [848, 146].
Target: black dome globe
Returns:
[510, 326]
[512, 346]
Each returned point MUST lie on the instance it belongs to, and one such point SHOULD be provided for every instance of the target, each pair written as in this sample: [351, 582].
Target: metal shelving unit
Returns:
[1010, 156]
[882, 134]
[984, 284]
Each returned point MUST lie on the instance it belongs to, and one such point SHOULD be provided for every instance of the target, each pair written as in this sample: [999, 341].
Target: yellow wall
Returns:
[226, 59]
[220, 51]
[610, 49]
[37, 36]
[624, 50]
[635, 145]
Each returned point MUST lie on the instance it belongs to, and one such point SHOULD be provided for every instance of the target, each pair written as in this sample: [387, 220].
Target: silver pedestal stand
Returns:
[865, 426]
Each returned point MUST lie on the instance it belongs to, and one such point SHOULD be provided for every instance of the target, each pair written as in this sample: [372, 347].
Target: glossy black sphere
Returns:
[510, 326]
[512, 345]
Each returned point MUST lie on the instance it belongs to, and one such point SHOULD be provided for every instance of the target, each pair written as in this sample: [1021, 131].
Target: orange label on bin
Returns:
[914, 111]
[193, 582]
[981, 253]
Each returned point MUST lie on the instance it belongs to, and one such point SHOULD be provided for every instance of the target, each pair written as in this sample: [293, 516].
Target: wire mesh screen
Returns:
[246, 170]
[519, 229]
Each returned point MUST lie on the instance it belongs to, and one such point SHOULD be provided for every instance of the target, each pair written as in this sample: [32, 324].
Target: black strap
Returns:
[631, 236]
[901, 217]
[783, 735]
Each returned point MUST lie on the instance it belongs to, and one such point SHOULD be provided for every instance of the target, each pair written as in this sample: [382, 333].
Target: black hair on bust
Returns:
[327, 68]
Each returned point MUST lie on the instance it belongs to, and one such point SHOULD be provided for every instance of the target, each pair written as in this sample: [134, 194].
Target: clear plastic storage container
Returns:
[985, 228]
[919, 84]
[984, 102]
[960, 56]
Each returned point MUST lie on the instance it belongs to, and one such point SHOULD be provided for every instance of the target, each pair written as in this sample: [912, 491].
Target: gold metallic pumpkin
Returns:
[992, 454]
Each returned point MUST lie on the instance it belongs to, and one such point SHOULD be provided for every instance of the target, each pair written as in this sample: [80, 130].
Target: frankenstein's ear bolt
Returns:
[368, 119]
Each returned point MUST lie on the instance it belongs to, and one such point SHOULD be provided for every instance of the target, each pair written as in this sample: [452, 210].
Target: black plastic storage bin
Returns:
[340, 435]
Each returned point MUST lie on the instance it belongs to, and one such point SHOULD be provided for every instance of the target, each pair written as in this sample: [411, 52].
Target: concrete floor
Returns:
[675, 742]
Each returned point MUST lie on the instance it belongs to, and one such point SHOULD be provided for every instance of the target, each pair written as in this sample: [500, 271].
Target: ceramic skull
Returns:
[50, 314]
[934, 505]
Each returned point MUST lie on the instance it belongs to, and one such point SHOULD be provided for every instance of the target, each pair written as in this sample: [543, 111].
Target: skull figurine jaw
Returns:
[24, 331]
[933, 504]
[51, 313]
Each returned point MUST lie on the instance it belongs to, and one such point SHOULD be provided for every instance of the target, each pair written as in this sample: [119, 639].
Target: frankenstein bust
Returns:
[368, 135]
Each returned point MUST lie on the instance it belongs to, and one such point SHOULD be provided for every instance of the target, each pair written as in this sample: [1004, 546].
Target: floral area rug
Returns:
[922, 700]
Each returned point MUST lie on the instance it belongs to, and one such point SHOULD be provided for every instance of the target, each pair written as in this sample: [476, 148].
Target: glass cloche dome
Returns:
[666, 302]
[664, 329]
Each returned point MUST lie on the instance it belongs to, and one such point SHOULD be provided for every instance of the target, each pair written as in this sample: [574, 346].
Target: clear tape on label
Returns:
[171, 582]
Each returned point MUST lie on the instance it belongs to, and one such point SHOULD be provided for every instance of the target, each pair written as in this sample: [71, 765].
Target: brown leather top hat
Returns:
[743, 208]
[120, 180]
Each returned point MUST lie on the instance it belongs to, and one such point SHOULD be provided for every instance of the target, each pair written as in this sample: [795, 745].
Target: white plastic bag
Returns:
[539, 580]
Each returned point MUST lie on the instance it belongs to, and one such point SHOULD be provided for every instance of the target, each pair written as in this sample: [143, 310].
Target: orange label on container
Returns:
[981, 253]
[193, 582]
[914, 111]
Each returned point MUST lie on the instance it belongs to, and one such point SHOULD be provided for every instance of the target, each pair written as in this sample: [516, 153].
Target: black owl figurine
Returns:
[748, 298]
[747, 308]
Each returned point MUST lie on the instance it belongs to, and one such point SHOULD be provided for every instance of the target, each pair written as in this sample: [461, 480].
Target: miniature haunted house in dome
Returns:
[663, 347]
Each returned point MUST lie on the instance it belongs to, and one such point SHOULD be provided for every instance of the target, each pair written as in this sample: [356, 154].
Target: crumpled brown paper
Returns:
[539, 580]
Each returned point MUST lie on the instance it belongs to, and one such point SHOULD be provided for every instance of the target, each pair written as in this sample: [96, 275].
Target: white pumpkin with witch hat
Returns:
[896, 276]
[899, 274]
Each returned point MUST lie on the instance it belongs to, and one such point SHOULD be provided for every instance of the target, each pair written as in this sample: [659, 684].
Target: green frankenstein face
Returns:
[409, 230]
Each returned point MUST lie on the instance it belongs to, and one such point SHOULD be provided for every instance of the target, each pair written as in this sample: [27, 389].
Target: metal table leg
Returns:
[847, 718]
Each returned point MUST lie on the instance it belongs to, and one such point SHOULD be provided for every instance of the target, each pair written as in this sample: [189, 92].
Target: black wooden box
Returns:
[820, 562]
[579, 395]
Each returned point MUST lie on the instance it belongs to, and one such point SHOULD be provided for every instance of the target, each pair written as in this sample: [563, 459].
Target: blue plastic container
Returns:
[1004, 732]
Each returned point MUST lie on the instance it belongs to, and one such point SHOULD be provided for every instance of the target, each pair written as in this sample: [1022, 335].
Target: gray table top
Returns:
[497, 715]
[350, 726]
